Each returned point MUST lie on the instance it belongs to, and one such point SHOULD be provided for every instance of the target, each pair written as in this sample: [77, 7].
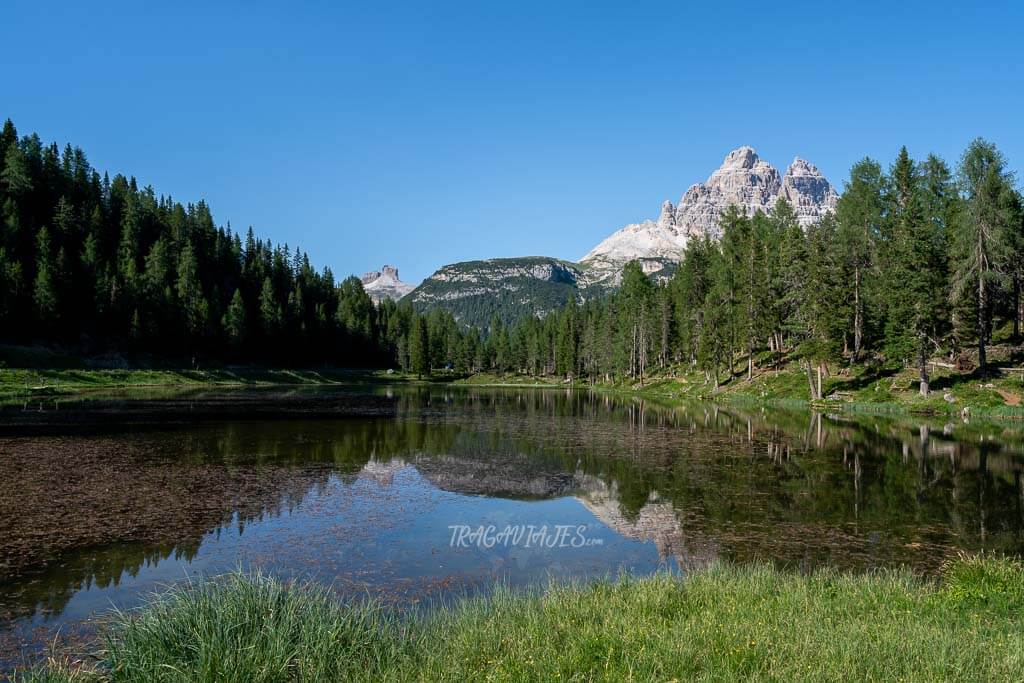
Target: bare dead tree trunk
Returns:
[750, 358]
[922, 364]
[815, 390]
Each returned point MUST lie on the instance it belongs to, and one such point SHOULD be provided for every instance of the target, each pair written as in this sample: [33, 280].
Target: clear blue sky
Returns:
[426, 133]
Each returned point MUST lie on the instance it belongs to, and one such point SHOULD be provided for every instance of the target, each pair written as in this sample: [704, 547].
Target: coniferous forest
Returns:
[919, 260]
[99, 264]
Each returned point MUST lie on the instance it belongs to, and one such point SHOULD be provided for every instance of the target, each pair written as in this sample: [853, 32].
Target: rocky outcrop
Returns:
[743, 180]
[474, 291]
[808, 192]
[385, 284]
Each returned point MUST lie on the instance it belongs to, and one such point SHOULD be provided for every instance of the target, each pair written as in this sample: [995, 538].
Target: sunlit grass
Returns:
[724, 623]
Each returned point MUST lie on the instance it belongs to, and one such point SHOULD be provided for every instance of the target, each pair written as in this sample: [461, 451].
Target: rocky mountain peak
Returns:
[385, 284]
[743, 180]
[667, 217]
[809, 193]
[740, 158]
[802, 167]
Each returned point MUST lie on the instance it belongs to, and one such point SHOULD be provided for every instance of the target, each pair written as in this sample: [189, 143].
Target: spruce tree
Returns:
[271, 316]
[815, 285]
[418, 347]
[194, 306]
[44, 292]
[566, 348]
[635, 320]
[916, 260]
[859, 218]
[234, 320]
[981, 243]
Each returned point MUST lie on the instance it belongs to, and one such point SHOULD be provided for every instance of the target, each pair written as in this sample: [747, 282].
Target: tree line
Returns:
[918, 260]
[99, 264]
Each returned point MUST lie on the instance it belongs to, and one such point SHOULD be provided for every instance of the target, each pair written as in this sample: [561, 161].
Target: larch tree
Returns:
[981, 245]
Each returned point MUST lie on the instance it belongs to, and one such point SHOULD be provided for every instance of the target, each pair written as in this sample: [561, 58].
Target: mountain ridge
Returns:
[509, 287]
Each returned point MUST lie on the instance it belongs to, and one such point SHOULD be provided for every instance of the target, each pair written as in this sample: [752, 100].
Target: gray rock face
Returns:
[743, 180]
[384, 284]
[807, 191]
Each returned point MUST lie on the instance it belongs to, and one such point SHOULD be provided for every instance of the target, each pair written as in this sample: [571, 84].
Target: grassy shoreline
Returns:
[722, 623]
[885, 390]
[876, 390]
[25, 383]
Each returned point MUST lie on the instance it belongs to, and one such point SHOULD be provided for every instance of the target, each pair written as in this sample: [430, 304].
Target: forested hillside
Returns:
[99, 264]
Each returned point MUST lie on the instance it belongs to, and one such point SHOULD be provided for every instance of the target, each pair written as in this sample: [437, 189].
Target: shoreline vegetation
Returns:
[33, 384]
[720, 622]
[999, 393]
[913, 284]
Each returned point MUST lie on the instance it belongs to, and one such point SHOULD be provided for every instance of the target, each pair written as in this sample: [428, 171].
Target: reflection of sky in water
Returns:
[660, 488]
[388, 540]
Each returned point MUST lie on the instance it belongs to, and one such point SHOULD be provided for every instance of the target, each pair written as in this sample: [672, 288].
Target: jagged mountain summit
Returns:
[743, 180]
[384, 284]
[474, 291]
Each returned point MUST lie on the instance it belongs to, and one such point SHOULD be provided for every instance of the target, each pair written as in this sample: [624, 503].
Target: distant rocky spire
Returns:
[385, 284]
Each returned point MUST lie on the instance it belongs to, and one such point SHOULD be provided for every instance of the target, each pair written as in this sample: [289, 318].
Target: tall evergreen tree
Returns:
[234, 320]
[419, 362]
[916, 259]
[981, 245]
[44, 292]
[859, 218]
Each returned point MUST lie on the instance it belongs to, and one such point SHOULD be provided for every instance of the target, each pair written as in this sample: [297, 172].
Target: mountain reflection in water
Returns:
[365, 504]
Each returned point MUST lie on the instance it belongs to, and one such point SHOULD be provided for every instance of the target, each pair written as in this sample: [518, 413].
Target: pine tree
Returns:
[688, 291]
[859, 217]
[44, 292]
[418, 347]
[743, 244]
[234, 320]
[982, 234]
[271, 315]
[566, 349]
[15, 176]
[635, 319]
[815, 286]
[916, 261]
[194, 306]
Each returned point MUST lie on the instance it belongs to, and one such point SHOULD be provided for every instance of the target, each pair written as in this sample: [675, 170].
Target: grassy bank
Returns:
[21, 383]
[723, 623]
[877, 388]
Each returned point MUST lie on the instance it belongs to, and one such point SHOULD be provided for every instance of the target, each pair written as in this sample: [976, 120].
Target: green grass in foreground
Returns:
[723, 623]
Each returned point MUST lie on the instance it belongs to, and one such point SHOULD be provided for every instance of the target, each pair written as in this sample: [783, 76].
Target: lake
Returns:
[414, 495]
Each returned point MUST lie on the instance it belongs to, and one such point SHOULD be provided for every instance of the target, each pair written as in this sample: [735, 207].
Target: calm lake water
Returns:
[101, 513]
